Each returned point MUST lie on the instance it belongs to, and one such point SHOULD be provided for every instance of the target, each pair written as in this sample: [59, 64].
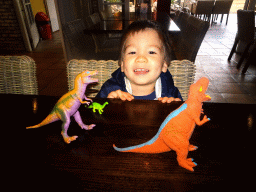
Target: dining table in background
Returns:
[108, 26]
[226, 145]
[118, 26]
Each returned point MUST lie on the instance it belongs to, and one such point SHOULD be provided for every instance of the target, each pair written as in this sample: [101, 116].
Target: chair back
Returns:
[76, 42]
[104, 15]
[95, 18]
[183, 73]
[246, 25]
[183, 20]
[18, 75]
[192, 37]
[203, 7]
[178, 16]
[222, 6]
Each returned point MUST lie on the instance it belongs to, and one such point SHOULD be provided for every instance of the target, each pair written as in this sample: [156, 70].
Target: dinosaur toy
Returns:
[176, 130]
[97, 106]
[68, 105]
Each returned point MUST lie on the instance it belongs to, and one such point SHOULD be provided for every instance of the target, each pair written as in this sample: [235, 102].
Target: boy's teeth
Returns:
[136, 70]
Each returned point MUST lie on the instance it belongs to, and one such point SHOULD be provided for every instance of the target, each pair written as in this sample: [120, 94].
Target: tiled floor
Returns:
[227, 84]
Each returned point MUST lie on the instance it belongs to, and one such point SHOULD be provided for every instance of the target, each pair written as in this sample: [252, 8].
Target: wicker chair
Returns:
[18, 75]
[183, 73]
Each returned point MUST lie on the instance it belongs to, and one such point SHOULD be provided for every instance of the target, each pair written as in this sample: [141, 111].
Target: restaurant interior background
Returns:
[68, 11]
[77, 9]
[26, 37]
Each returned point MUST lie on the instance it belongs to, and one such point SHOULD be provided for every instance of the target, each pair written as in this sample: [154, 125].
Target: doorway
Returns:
[51, 9]
[27, 16]
[30, 23]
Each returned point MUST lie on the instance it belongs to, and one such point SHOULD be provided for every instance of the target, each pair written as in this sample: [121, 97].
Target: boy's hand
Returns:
[120, 95]
[168, 99]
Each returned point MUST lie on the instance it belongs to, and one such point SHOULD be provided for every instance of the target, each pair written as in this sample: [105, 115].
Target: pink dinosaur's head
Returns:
[86, 77]
[198, 89]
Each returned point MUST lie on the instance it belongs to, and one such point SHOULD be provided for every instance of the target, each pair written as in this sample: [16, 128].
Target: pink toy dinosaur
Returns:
[177, 128]
[68, 105]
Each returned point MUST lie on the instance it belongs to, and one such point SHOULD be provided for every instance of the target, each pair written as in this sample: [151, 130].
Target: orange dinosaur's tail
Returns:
[158, 146]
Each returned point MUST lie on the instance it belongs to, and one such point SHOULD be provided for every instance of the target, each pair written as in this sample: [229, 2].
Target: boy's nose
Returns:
[141, 59]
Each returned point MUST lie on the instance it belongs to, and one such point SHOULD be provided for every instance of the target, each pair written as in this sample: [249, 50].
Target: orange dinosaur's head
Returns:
[198, 89]
[86, 77]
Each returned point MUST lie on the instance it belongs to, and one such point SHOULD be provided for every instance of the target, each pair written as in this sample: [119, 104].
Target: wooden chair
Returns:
[103, 42]
[203, 8]
[77, 44]
[18, 75]
[176, 16]
[251, 59]
[187, 44]
[245, 33]
[183, 20]
[94, 18]
[104, 17]
[221, 7]
[183, 73]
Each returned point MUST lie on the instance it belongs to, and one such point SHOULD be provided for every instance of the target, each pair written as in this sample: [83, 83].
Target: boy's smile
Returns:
[143, 61]
[141, 71]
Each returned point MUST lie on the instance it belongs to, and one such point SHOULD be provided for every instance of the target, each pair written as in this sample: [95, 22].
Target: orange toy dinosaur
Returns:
[177, 128]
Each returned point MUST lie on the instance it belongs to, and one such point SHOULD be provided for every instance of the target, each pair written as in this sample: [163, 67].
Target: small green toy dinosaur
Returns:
[97, 106]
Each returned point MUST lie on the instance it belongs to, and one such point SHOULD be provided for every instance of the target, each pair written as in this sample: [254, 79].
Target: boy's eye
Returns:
[131, 52]
[152, 52]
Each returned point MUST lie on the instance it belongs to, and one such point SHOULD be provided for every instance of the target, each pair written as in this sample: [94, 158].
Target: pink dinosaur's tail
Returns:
[49, 119]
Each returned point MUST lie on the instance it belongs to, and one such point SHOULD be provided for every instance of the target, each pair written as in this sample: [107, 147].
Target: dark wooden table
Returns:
[224, 157]
[108, 26]
[118, 26]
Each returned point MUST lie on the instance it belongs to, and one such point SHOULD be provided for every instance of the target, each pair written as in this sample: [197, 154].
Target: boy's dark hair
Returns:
[141, 25]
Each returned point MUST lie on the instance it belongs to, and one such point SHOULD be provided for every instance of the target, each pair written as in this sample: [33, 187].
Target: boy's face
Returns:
[143, 59]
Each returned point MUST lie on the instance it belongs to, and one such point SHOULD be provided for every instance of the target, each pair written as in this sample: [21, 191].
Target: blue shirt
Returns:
[117, 82]
[151, 96]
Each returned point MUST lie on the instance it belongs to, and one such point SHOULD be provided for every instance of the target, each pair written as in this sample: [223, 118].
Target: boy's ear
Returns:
[122, 66]
[165, 67]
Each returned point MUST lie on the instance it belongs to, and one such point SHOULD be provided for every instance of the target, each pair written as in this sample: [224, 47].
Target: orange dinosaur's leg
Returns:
[181, 146]
[183, 161]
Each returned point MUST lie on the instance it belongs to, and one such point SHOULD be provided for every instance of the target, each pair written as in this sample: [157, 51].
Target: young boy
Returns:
[144, 61]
